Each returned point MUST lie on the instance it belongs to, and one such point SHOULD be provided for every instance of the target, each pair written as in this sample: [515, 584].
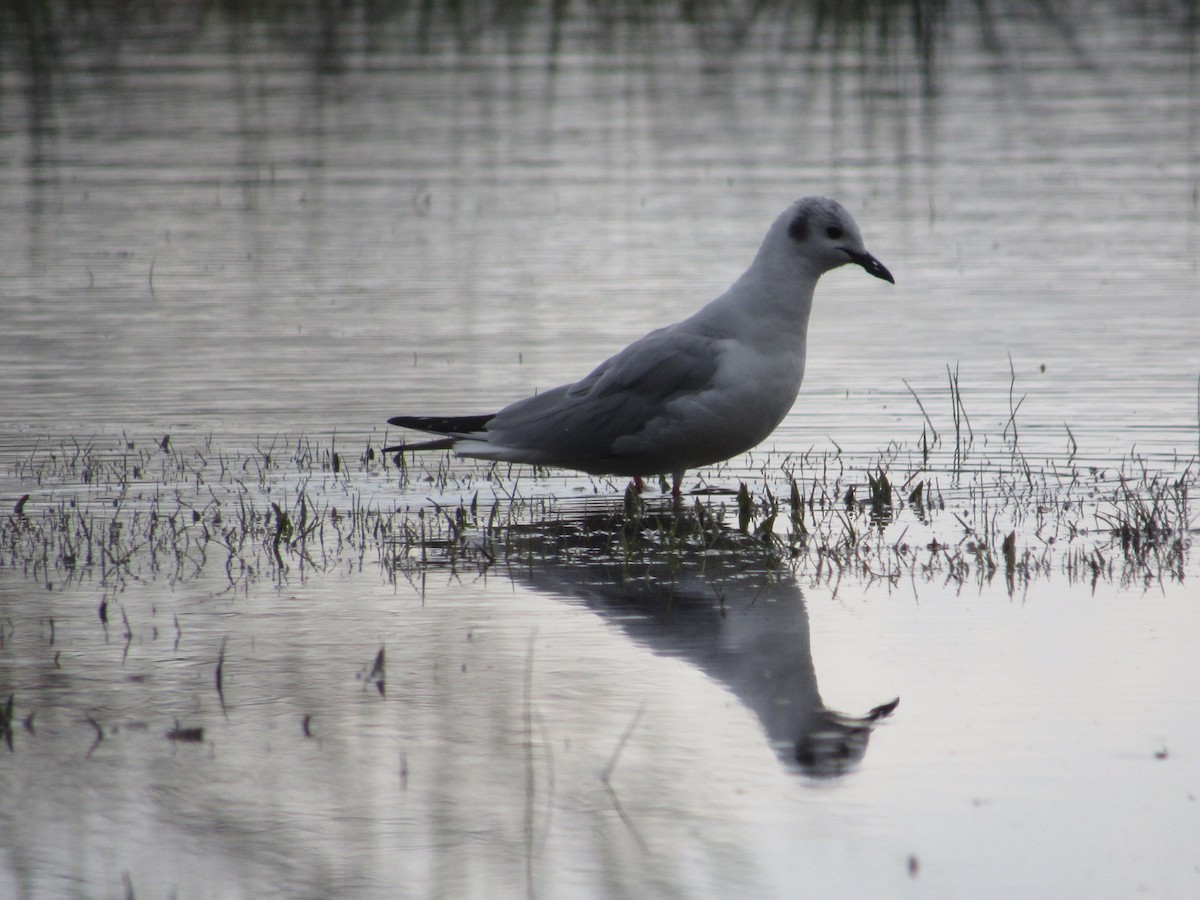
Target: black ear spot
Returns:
[798, 230]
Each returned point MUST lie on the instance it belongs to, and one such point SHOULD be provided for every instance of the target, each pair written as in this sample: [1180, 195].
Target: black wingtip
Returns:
[448, 425]
[445, 443]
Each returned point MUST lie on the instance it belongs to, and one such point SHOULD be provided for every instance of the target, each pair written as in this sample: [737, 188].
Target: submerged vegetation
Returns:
[104, 514]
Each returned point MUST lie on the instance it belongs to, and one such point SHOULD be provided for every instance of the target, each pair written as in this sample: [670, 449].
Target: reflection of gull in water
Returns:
[710, 599]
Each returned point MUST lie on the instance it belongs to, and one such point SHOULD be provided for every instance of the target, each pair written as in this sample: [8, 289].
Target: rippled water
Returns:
[248, 234]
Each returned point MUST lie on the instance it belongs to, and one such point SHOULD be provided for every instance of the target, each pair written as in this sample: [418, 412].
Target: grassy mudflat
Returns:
[106, 512]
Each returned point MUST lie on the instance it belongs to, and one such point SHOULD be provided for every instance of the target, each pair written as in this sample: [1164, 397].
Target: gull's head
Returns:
[824, 233]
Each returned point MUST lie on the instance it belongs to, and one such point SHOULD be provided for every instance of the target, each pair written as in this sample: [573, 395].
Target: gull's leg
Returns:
[676, 483]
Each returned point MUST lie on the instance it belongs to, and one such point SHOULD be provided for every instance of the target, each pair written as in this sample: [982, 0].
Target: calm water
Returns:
[225, 230]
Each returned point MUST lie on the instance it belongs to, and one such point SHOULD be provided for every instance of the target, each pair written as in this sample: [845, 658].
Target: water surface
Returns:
[260, 237]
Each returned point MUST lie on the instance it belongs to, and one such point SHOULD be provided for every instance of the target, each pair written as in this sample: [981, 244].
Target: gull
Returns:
[687, 395]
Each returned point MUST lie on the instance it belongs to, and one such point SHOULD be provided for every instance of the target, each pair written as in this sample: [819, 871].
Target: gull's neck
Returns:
[771, 295]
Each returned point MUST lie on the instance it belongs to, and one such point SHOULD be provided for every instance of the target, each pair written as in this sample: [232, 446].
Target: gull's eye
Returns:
[834, 232]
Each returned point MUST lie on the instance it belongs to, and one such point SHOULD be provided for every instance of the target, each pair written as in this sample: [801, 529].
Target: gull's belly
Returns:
[754, 389]
[743, 416]
[749, 397]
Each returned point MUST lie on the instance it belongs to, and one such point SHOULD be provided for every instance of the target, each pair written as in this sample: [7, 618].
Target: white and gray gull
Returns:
[687, 395]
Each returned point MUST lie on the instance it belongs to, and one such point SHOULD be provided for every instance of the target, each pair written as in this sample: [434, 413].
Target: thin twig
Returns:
[921, 406]
[219, 678]
[99, 736]
[606, 779]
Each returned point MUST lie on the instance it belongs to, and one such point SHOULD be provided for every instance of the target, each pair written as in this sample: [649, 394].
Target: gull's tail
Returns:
[452, 429]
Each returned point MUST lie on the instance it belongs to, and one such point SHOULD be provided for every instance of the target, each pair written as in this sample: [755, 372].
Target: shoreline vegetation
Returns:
[103, 513]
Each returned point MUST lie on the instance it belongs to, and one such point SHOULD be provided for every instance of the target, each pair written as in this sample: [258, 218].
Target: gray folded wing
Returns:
[582, 422]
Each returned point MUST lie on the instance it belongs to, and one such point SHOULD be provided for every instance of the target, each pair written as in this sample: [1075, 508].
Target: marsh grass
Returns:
[104, 514]
[293, 519]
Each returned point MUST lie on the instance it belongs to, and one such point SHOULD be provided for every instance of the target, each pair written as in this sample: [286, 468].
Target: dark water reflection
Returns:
[674, 583]
[332, 37]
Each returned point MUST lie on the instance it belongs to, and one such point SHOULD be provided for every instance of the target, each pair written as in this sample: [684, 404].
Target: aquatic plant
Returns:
[104, 513]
